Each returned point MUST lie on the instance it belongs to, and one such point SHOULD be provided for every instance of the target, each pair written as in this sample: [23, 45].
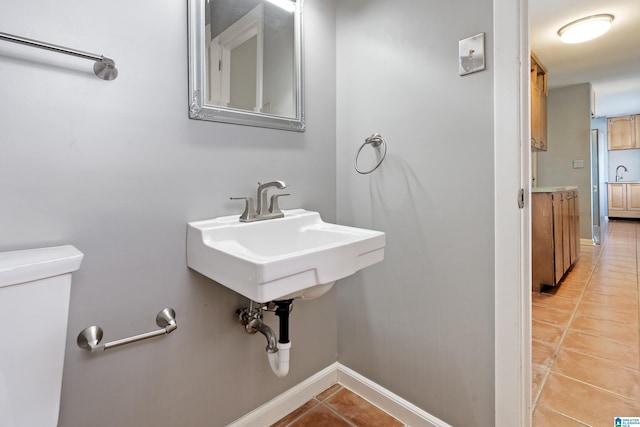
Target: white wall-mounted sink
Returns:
[298, 256]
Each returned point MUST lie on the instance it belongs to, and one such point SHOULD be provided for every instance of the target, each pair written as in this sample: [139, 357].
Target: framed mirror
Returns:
[245, 62]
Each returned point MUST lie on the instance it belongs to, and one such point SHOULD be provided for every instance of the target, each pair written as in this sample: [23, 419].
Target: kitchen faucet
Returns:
[261, 211]
[619, 177]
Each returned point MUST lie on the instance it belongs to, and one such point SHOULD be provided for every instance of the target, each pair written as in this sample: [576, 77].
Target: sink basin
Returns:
[298, 256]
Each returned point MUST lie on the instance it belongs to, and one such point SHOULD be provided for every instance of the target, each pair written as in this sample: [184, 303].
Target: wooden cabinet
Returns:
[538, 106]
[555, 236]
[574, 225]
[623, 132]
[633, 197]
[624, 200]
[617, 195]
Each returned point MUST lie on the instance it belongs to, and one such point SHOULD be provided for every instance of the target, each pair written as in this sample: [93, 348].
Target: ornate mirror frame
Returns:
[199, 109]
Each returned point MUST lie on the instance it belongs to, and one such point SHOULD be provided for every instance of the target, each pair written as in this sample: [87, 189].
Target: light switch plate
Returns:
[578, 164]
[471, 54]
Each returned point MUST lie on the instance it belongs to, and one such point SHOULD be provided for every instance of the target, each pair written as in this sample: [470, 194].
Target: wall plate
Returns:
[471, 54]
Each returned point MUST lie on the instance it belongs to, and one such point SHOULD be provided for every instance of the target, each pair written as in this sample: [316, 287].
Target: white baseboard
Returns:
[291, 399]
[386, 400]
[296, 396]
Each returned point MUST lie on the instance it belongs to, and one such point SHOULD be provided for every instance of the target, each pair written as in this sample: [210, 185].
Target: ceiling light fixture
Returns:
[288, 5]
[585, 29]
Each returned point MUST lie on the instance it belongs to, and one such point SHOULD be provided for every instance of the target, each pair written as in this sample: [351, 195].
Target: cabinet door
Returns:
[617, 197]
[621, 132]
[542, 131]
[633, 197]
[536, 141]
[636, 126]
[558, 237]
[542, 241]
[538, 77]
[567, 233]
[575, 226]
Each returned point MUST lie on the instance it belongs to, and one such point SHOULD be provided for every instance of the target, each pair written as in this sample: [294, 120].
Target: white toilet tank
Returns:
[34, 305]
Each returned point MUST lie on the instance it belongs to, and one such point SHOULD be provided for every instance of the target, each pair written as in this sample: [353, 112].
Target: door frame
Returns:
[512, 157]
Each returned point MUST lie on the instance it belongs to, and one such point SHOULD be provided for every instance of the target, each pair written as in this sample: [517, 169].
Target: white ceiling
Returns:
[611, 63]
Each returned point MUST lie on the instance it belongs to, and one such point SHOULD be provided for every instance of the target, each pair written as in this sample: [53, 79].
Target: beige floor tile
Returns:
[615, 269]
[623, 333]
[613, 300]
[546, 333]
[296, 414]
[606, 258]
[553, 301]
[569, 292]
[629, 292]
[320, 416]
[538, 375]
[328, 392]
[627, 284]
[359, 411]
[603, 311]
[602, 348]
[628, 264]
[600, 373]
[572, 283]
[550, 315]
[544, 417]
[609, 303]
[542, 355]
[614, 275]
[583, 402]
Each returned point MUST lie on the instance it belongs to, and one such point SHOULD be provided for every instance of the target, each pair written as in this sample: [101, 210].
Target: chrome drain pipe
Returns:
[277, 352]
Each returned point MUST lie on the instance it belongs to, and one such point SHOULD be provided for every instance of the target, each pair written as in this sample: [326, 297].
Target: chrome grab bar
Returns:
[104, 67]
[90, 337]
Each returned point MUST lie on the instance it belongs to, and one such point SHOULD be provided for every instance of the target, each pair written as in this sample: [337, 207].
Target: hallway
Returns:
[586, 350]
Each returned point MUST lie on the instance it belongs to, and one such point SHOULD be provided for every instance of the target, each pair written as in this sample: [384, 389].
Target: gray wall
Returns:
[117, 169]
[421, 323]
[569, 134]
[628, 158]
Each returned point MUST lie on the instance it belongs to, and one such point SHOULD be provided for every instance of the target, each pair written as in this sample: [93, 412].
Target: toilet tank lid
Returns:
[33, 264]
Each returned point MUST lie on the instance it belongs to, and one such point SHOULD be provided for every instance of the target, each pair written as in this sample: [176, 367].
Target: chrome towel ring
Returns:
[376, 141]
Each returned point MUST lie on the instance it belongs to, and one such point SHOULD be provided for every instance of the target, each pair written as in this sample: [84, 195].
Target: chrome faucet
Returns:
[619, 177]
[262, 196]
[261, 211]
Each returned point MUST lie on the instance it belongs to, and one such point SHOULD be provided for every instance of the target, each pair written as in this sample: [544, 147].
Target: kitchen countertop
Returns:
[624, 182]
[553, 189]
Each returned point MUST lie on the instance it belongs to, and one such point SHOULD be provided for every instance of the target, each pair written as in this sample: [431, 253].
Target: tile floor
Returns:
[585, 352]
[338, 407]
[585, 349]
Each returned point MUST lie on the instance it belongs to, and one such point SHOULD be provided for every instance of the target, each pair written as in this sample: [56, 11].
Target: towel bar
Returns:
[104, 67]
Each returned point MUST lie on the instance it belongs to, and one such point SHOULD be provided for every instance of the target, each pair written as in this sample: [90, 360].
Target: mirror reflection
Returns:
[245, 62]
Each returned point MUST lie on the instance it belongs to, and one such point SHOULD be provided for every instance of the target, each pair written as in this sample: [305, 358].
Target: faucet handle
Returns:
[249, 210]
[273, 207]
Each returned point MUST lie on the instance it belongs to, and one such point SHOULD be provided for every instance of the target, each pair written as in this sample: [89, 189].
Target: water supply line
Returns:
[278, 353]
